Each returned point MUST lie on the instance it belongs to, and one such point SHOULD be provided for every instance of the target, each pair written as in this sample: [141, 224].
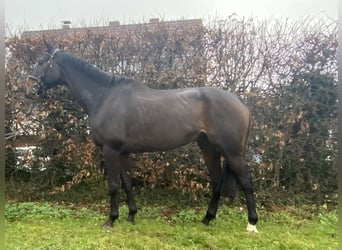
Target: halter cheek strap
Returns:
[34, 78]
[39, 79]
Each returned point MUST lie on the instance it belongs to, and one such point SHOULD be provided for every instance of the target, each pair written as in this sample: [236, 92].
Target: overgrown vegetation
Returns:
[162, 224]
[285, 71]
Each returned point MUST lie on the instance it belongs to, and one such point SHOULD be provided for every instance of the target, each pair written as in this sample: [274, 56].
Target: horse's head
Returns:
[45, 73]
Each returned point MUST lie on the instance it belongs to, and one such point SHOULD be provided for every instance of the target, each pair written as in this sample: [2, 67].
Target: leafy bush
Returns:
[328, 218]
[285, 71]
[39, 211]
[186, 216]
[28, 210]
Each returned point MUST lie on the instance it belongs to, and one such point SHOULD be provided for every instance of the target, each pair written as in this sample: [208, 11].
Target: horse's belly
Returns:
[159, 142]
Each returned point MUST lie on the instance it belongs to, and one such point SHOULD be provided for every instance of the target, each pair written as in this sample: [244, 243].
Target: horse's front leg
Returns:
[127, 185]
[113, 166]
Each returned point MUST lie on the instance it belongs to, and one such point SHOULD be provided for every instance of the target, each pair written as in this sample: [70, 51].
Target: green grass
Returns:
[43, 225]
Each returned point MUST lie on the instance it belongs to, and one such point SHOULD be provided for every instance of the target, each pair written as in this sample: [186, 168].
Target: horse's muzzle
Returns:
[33, 87]
[29, 86]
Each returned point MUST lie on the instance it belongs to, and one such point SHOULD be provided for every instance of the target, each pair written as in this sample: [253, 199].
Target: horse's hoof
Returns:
[205, 222]
[130, 220]
[108, 225]
[252, 228]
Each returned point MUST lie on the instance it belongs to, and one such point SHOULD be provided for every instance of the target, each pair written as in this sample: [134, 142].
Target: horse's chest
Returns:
[107, 130]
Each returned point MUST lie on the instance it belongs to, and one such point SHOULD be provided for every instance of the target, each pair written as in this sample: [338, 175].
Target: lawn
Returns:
[65, 225]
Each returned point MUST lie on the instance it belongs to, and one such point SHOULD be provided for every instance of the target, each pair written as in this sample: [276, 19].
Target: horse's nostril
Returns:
[35, 89]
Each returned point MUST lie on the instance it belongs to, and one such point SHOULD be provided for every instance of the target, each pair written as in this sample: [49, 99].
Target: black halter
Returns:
[39, 82]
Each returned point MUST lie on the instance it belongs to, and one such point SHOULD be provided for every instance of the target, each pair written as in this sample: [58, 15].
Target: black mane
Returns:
[93, 72]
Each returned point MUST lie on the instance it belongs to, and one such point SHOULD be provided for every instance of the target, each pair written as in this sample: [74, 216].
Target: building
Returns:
[115, 27]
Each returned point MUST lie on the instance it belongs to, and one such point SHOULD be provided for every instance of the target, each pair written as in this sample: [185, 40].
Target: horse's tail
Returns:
[229, 183]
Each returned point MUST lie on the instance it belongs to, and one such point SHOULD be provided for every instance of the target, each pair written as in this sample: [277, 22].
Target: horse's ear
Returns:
[48, 46]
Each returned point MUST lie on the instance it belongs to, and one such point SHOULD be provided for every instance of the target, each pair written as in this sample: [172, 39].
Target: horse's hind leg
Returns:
[243, 175]
[127, 186]
[212, 160]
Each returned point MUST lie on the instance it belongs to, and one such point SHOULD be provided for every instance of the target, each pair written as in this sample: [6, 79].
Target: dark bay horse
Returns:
[128, 117]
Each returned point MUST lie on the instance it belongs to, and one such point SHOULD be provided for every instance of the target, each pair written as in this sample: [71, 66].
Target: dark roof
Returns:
[116, 27]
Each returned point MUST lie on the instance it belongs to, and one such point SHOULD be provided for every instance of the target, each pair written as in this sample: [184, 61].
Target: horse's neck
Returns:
[86, 90]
